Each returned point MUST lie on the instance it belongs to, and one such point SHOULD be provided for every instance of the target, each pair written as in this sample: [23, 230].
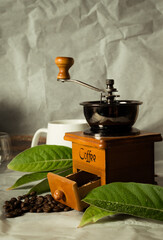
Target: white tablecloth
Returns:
[63, 225]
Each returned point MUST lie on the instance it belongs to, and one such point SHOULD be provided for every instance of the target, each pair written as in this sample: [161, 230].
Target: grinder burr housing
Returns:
[110, 151]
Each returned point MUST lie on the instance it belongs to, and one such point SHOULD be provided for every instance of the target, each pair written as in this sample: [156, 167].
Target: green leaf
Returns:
[42, 158]
[93, 214]
[31, 177]
[43, 186]
[141, 200]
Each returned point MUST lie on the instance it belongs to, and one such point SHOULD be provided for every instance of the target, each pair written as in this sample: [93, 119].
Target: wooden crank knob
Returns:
[58, 195]
[64, 64]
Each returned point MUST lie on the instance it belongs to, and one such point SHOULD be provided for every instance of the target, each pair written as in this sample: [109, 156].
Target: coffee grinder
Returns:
[111, 150]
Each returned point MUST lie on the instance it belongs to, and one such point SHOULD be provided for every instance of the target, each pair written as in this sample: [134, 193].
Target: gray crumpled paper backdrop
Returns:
[120, 39]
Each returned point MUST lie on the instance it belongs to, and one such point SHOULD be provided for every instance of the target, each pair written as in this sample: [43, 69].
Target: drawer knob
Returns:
[58, 195]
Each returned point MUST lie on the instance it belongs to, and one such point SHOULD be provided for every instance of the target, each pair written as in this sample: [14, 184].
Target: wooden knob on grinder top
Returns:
[64, 64]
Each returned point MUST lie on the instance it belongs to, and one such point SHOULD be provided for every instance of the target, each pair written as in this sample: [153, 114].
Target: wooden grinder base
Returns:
[110, 159]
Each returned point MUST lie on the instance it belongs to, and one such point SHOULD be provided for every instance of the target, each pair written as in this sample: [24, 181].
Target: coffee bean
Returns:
[24, 196]
[45, 200]
[56, 209]
[54, 201]
[40, 199]
[60, 205]
[47, 210]
[7, 210]
[20, 198]
[17, 203]
[49, 197]
[9, 215]
[26, 200]
[17, 212]
[5, 206]
[52, 205]
[46, 205]
[13, 199]
[25, 209]
[39, 210]
[33, 198]
[11, 207]
[23, 204]
[32, 193]
[39, 206]
[67, 209]
[33, 209]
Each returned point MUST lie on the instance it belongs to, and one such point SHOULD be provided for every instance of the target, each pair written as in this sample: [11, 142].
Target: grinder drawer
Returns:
[70, 190]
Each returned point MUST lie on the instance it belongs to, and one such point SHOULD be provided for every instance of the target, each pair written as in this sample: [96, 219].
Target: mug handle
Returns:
[37, 135]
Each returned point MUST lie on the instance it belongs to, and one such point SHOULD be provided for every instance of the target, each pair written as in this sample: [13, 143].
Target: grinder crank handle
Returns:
[64, 64]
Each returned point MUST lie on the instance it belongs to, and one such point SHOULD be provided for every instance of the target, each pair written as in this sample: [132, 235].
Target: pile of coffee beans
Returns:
[32, 203]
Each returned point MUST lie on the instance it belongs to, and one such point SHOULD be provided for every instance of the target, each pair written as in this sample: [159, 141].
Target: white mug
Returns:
[5, 147]
[56, 130]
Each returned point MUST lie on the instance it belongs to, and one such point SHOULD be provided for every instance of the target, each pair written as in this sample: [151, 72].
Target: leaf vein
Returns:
[137, 206]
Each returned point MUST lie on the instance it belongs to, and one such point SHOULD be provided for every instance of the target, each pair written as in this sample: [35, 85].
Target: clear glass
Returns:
[5, 147]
